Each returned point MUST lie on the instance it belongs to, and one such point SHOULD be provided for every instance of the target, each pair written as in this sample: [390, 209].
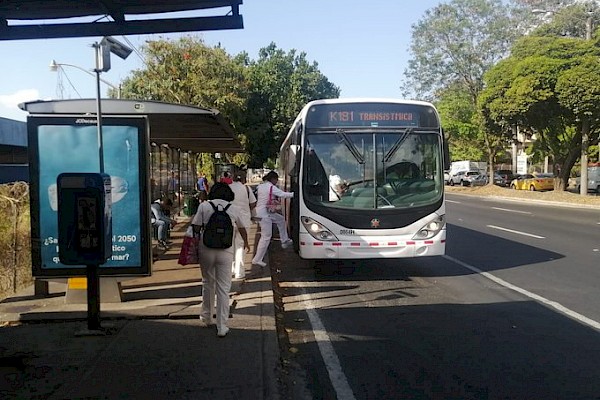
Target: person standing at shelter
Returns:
[226, 178]
[202, 184]
[244, 202]
[215, 263]
[267, 193]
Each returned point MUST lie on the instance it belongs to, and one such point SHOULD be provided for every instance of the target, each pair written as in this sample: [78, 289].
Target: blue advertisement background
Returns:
[69, 148]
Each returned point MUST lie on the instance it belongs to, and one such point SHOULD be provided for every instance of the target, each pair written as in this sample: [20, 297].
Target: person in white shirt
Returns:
[244, 201]
[267, 192]
[216, 263]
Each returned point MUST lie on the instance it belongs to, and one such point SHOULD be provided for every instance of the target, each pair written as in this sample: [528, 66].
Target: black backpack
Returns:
[218, 231]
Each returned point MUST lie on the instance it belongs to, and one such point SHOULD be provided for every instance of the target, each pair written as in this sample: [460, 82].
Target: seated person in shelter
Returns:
[160, 208]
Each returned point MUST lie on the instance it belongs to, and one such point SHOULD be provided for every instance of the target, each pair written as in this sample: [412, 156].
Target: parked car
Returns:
[447, 177]
[480, 180]
[537, 181]
[503, 177]
[593, 180]
[463, 178]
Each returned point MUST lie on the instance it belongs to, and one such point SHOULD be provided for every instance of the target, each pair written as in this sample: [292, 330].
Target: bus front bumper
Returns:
[371, 247]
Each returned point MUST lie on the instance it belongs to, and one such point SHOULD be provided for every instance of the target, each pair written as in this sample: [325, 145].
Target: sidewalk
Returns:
[155, 347]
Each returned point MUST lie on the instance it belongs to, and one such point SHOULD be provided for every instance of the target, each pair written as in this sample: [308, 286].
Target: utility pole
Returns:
[585, 128]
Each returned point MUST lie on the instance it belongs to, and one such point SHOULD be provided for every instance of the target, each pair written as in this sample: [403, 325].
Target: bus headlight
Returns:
[317, 230]
[431, 229]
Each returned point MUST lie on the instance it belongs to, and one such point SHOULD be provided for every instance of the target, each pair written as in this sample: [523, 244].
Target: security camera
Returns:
[116, 47]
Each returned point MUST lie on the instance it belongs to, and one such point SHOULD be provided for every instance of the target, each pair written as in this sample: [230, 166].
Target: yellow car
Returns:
[537, 181]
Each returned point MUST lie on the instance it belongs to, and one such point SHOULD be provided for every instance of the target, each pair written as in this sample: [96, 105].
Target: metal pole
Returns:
[585, 130]
[99, 106]
[92, 271]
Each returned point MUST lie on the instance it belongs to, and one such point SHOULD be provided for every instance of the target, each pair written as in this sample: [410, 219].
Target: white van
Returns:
[593, 180]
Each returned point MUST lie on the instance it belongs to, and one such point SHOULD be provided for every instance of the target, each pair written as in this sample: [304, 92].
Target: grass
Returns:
[567, 197]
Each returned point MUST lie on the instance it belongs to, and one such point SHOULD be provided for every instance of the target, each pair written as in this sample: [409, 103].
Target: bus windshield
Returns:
[373, 168]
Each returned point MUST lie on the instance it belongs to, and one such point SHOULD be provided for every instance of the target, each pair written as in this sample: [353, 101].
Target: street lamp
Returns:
[54, 66]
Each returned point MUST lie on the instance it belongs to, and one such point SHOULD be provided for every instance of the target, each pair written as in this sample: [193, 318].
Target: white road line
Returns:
[513, 211]
[332, 362]
[552, 304]
[452, 201]
[517, 232]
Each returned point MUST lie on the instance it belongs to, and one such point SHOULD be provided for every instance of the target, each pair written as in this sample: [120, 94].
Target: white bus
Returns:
[368, 177]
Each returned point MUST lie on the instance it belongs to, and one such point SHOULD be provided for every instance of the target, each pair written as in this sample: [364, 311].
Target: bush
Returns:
[15, 238]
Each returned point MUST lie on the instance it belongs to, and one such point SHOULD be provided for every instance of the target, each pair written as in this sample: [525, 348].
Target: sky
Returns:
[360, 46]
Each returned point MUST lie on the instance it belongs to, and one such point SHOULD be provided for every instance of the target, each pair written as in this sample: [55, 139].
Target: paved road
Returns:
[434, 328]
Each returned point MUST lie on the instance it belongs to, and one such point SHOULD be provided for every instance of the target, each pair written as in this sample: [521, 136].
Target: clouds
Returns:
[9, 103]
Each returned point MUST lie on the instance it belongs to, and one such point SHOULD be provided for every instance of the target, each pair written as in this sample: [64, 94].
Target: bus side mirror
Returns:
[446, 152]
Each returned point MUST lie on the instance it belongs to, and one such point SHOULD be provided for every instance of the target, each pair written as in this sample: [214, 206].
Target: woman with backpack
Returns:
[215, 222]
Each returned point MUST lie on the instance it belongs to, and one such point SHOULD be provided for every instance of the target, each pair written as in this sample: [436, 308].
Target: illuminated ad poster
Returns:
[60, 144]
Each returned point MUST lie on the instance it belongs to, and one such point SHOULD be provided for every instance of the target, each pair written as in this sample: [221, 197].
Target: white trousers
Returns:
[216, 279]
[237, 268]
[266, 232]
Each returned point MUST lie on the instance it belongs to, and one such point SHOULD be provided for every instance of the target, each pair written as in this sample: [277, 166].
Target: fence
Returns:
[15, 233]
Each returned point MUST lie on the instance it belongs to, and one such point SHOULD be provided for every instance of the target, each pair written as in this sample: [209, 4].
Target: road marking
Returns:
[452, 201]
[552, 304]
[517, 232]
[513, 211]
[332, 362]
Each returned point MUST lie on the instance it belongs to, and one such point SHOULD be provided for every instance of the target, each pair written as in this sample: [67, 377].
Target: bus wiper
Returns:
[388, 156]
[350, 146]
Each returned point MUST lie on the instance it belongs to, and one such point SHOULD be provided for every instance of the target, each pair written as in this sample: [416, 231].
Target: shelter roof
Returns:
[50, 18]
[184, 127]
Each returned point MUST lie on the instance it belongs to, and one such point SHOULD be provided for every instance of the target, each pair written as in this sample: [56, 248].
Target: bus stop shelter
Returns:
[62, 136]
[189, 128]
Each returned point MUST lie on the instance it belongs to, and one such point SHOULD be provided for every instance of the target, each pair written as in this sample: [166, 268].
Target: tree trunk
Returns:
[565, 169]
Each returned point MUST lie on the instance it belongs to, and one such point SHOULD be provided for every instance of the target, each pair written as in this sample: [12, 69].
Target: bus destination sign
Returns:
[370, 115]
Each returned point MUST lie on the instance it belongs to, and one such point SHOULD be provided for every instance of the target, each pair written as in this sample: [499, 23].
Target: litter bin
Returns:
[190, 205]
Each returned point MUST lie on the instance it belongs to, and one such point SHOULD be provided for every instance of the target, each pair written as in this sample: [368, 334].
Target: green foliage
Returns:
[548, 86]
[281, 84]
[457, 42]
[259, 98]
[460, 127]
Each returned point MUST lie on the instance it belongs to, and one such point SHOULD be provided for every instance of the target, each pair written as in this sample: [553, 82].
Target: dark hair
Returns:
[221, 190]
[226, 174]
[167, 201]
[270, 176]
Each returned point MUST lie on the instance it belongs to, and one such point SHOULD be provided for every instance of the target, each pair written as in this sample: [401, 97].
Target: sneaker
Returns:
[206, 321]
[222, 332]
[261, 263]
[163, 244]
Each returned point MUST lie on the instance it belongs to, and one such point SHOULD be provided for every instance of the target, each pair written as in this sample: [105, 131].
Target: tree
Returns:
[187, 71]
[281, 84]
[546, 87]
[460, 127]
[452, 48]
[456, 43]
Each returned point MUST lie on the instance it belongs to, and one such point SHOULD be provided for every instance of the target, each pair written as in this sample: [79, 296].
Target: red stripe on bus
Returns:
[443, 241]
[336, 244]
[392, 243]
[318, 243]
[408, 243]
[354, 244]
[302, 243]
[429, 242]
[373, 244]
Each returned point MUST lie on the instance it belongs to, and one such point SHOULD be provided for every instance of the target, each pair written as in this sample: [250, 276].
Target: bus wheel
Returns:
[532, 188]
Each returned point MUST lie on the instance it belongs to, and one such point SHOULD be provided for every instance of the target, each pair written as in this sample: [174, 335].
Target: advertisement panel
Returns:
[70, 144]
